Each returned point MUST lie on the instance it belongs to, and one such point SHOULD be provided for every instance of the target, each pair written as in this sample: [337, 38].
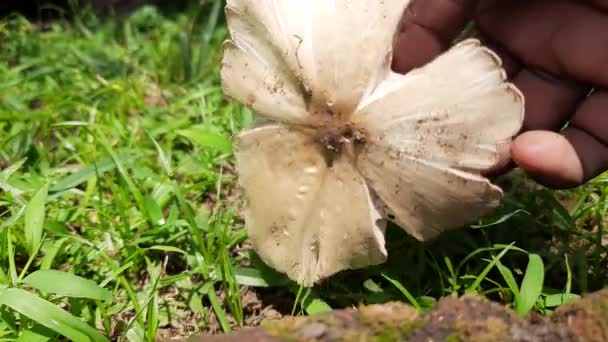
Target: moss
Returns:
[408, 329]
[284, 328]
[370, 336]
[376, 323]
[353, 336]
[388, 336]
[597, 306]
[587, 317]
[489, 330]
[463, 320]
[389, 316]
[389, 322]
[453, 338]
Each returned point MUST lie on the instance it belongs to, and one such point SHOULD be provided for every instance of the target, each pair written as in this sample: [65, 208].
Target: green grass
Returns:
[119, 218]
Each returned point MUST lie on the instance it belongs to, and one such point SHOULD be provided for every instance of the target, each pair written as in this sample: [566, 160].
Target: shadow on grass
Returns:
[532, 220]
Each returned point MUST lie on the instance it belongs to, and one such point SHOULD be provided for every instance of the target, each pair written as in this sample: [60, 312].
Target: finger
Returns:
[592, 153]
[548, 107]
[427, 29]
[511, 65]
[549, 102]
[592, 116]
[588, 133]
[599, 4]
[568, 160]
[561, 36]
[549, 158]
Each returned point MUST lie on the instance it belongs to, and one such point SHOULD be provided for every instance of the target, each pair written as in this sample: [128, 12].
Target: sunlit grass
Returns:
[117, 168]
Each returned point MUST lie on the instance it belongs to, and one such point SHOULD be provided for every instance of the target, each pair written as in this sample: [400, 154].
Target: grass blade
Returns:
[83, 175]
[66, 284]
[204, 138]
[155, 214]
[152, 317]
[122, 170]
[169, 249]
[487, 269]
[50, 253]
[531, 286]
[315, 305]
[49, 315]
[209, 291]
[37, 334]
[34, 219]
[162, 156]
[500, 220]
[404, 291]
[254, 277]
[10, 254]
[558, 299]
[6, 174]
[509, 278]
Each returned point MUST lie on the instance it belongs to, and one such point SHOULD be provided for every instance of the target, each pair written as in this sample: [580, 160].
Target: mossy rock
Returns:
[586, 318]
[468, 318]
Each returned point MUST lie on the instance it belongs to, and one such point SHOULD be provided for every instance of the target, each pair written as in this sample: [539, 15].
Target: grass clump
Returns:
[116, 168]
[120, 220]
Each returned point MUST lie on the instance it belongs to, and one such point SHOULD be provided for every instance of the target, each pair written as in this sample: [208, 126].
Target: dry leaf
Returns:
[345, 143]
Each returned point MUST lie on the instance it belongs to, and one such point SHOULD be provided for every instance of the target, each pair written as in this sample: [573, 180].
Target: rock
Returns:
[468, 318]
[312, 330]
[587, 317]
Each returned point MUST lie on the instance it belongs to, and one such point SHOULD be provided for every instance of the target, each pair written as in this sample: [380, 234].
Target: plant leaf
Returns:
[34, 219]
[9, 171]
[500, 220]
[316, 306]
[509, 278]
[487, 269]
[558, 299]
[155, 214]
[6, 174]
[403, 291]
[38, 333]
[84, 174]
[204, 138]
[169, 249]
[209, 291]
[531, 286]
[247, 276]
[66, 284]
[49, 315]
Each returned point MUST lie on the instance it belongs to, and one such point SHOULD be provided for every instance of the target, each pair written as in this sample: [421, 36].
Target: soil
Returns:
[468, 318]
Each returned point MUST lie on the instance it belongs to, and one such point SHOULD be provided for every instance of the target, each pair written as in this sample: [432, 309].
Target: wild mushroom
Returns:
[346, 143]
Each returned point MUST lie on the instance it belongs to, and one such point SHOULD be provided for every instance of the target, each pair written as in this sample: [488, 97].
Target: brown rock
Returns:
[468, 318]
[586, 318]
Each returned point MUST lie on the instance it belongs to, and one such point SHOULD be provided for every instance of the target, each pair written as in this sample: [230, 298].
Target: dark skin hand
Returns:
[555, 52]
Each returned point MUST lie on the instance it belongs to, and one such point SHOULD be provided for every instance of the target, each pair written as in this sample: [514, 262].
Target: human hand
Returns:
[555, 52]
